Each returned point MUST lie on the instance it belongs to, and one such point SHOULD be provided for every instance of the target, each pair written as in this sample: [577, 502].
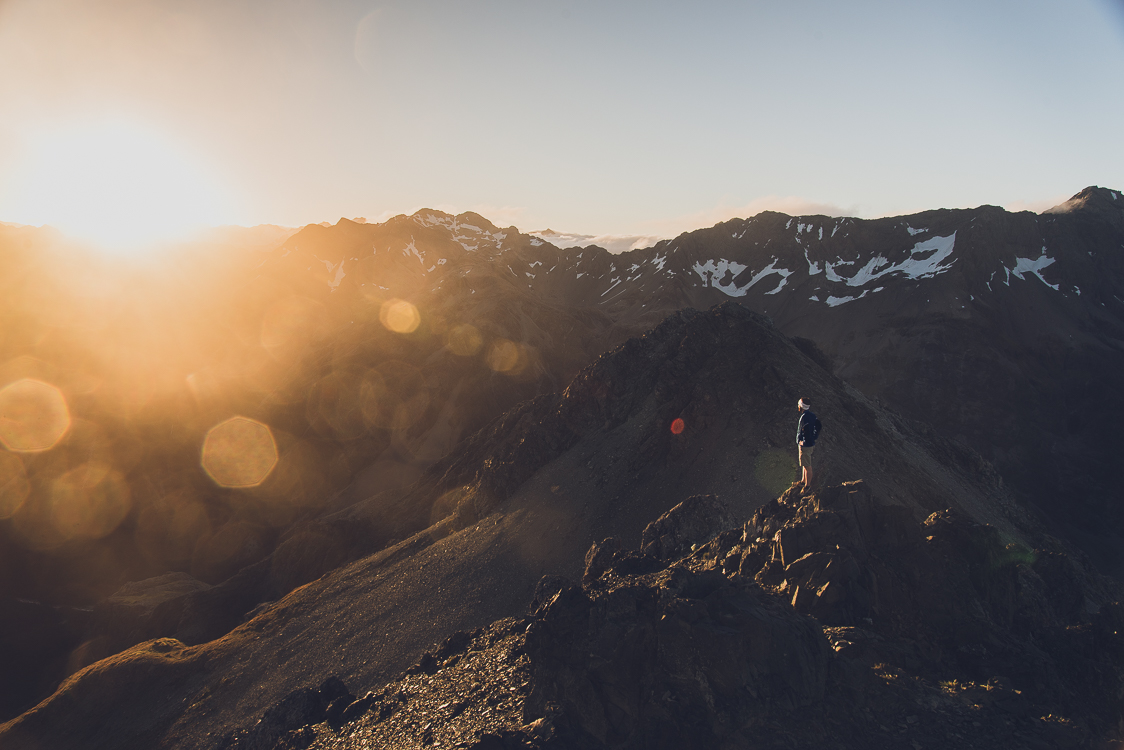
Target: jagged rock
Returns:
[285, 724]
[599, 558]
[693, 522]
[692, 653]
[657, 662]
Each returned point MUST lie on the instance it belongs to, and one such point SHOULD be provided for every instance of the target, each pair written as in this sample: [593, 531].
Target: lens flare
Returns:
[33, 416]
[14, 487]
[464, 340]
[239, 452]
[506, 356]
[677, 426]
[333, 406]
[394, 396]
[89, 501]
[399, 316]
[774, 469]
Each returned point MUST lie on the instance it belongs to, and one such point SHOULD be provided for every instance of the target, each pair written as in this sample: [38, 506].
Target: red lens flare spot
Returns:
[677, 426]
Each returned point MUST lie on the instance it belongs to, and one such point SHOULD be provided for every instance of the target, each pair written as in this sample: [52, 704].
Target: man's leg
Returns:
[806, 461]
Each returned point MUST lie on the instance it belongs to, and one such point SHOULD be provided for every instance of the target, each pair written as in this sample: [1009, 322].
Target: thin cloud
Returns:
[614, 243]
[1037, 206]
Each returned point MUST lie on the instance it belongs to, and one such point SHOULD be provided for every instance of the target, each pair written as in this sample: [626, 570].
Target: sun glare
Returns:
[116, 185]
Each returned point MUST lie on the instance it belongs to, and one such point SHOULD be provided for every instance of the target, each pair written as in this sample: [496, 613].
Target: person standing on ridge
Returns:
[807, 430]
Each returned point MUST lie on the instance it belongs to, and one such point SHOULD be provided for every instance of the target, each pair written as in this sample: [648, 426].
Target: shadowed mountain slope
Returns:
[523, 498]
[1002, 331]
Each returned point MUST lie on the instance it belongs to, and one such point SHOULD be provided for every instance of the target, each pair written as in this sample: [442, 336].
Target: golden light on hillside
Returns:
[292, 323]
[464, 340]
[399, 316]
[506, 356]
[333, 403]
[239, 452]
[89, 501]
[170, 524]
[14, 487]
[394, 396]
[33, 416]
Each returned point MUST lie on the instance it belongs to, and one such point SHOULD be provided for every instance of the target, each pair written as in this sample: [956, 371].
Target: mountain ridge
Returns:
[973, 340]
[482, 560]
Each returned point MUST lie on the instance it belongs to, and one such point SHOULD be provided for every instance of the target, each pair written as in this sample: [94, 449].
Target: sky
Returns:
[121, 120]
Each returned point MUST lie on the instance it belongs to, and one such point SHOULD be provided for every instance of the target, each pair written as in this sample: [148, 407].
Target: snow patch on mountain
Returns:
[412, 248]
[784, 273]
[766, 271]
[713, 272]
[1026, 265]
[913, 267]
[829, 269]
[611, 287]
[334, 283]
[813, 268]
[837, 301]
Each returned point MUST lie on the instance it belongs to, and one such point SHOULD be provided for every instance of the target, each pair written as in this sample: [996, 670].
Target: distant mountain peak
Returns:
[468, 220]
[1094, 198]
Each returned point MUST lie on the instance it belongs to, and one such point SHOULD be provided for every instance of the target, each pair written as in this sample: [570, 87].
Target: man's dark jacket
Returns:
[805, 433]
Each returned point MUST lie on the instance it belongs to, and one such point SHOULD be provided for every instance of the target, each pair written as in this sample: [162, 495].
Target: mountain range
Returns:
[507, 439]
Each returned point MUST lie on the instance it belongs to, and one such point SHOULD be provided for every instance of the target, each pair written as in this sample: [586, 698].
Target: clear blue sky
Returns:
[596, 117]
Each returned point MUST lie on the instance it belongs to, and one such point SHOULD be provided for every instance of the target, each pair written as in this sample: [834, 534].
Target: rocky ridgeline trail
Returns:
[827, 620]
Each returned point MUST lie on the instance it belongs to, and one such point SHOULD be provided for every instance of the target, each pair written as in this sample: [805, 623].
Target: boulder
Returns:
[694, 521]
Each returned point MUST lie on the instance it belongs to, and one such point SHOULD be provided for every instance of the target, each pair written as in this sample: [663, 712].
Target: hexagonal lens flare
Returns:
[400, 316]
[239, 452]
[33, 416]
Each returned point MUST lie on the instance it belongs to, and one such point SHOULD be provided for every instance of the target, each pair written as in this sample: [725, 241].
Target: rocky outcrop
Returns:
[693, 522]
[282, 725]
[527, 496]
[829, 620]
[675, 658]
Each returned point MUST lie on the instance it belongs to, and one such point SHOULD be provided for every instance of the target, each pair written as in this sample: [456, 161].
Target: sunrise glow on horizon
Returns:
[116, 185]
[132, 124]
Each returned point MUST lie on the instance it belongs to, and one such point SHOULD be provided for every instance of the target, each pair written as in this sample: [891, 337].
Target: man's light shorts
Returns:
[806, 456]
